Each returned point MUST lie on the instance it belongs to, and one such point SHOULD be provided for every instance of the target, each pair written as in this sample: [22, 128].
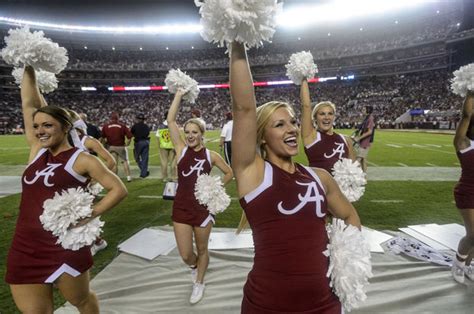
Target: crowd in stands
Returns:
[396, 70]
[391, 96]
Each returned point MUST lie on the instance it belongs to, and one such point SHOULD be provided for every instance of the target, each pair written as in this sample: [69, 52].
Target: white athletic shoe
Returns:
[198, 293]
[469, 272]
[194, 274]
[458, 272]
[98, 247]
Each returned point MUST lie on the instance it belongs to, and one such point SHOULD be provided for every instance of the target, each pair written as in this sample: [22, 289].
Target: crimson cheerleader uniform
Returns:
[464, 189]
[286, 214]
[326, 150]
[186, 208]
[34, 256]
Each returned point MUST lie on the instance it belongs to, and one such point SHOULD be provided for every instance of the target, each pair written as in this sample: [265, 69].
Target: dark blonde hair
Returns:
[60, 114]
[197, 122]
[321, 105]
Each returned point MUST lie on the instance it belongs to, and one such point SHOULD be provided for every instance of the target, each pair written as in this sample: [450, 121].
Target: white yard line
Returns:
[431, 165]
[387, 201]
[372, 164]
[439, 151]
[393, 145]
[402, 164]
[434, 145]
[430, 149]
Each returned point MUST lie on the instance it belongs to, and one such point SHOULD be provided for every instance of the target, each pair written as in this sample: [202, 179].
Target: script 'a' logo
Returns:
[311, 195]
[339, 150]
[46, 173]
[199, 166]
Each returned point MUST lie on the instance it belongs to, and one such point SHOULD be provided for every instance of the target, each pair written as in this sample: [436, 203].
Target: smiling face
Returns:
[324, 118]
[48, 130]
[192, 135]
[280, 135]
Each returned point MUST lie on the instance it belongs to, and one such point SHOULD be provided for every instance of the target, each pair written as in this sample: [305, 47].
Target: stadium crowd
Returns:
[395, 70]
[391, 96]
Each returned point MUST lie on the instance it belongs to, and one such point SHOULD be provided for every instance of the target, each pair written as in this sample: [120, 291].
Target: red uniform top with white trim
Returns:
[186, 208]
[326, 150]
[287, 216]
[464, 190]
[34, 254]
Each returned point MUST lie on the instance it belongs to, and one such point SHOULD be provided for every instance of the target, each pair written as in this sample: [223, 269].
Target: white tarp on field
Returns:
[134, 285]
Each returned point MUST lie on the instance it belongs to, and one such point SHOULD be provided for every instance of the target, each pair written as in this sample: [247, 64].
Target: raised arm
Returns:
[308, 132]
[31, 100]
[461, 141]
[244, 132]
[175, 135]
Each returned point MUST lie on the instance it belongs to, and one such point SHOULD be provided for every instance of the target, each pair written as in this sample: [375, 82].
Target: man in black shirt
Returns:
[141, 135]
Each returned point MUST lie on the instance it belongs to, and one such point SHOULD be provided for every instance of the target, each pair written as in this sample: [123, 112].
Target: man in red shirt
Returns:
[117, 136]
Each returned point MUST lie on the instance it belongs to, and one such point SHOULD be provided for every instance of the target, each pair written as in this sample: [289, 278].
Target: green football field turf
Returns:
[403, 202]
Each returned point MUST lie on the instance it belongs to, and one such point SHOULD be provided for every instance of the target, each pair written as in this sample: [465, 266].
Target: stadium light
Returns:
[293, 16]
[89, 89]
[297, 16]
[187, 28]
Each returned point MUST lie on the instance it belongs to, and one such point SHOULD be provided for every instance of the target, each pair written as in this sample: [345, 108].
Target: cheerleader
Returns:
[35, 261]
[464, 190]
[285, 203]
[322, 145]
[189, 217]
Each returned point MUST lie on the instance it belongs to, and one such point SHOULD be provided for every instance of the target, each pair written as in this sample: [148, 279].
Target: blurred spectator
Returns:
[117, 137]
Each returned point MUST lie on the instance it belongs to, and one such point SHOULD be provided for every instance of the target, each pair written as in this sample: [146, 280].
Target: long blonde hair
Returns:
[264, 112]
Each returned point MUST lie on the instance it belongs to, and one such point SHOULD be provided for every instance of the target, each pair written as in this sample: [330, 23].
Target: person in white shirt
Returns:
[226, 138]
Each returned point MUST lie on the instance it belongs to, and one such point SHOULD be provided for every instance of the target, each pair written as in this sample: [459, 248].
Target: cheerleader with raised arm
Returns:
[285, 203]
[36, 262]
[190, 218]
[322, 145]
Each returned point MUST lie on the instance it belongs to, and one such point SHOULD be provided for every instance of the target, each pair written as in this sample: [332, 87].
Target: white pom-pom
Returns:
[350, 178]
[64, 210]
[176, 79]
[210, 192]
[32, 48]
[95, 188]
[247, 21]
[349, 263]
[463, 80]
[301, 66]
[76, 238]
[46, 81]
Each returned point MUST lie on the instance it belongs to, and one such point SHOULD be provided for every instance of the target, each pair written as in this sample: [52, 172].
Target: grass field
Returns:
[385, 205]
